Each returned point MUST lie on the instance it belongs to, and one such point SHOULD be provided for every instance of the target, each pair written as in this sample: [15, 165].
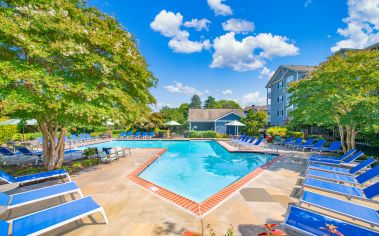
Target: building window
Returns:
[290, 79]
[280, 98]
[280, 85]
[279, 112]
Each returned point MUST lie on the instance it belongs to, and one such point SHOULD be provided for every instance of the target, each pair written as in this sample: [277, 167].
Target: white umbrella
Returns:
[172, 123]
[236, 124]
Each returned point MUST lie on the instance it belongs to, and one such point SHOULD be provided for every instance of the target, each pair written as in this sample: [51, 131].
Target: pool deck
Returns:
[133, 210]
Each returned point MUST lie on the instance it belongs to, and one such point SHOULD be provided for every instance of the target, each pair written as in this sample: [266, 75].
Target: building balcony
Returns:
[268, 94]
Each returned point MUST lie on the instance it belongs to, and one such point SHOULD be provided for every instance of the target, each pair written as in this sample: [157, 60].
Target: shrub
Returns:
[277, 131]
[218, 135]
[7, 132]
[202, 134]
[295, 134]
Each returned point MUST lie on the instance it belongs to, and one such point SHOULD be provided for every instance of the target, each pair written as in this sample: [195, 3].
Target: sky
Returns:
[229, 49]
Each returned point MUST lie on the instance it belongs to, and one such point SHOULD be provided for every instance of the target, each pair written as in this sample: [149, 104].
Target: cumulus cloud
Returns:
[220, 8]
[198, 24]
[242, 56]
[238, 26]
[362, 25]
[253, 98]
[180, 88]
[227, 92]
[168, 24]
[266, 73]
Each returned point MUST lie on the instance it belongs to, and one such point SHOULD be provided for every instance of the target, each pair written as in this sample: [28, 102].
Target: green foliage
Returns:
[175, 114]
[202, 134]
[67, 65]
[7, 132]
[295, 134]
[210, 102]
[89, 152]
[153, 121]
[254, 121]
[195, 102]
[341, 92]
[277, 131]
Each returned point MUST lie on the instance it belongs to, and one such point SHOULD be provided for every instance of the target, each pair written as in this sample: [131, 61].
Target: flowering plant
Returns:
[271, 231]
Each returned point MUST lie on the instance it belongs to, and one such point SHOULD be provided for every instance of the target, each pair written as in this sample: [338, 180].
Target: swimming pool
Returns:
[194, 169]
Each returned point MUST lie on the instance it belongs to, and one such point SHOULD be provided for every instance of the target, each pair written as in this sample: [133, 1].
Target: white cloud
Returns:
[266, 73]
[241, 56]
[219, 8]
[180, 88]
[238, 26]
[307, 3]
[198, 24]
[227, 92]
[362, 23]
[157, 107]
[168, 24]
[253, 98]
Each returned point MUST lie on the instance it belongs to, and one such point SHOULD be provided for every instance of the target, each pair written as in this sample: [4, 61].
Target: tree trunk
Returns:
[353, 136]
[342, 137]
[53, 151]
[348, 137]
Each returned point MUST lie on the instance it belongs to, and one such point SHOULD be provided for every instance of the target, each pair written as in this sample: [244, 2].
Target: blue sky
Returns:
[229, 49]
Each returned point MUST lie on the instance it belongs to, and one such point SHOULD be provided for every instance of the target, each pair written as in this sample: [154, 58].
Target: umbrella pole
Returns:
[23, 133]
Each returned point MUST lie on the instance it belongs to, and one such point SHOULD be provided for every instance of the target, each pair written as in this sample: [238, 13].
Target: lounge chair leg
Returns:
[68, 177]
[104, 215]
[80, 193]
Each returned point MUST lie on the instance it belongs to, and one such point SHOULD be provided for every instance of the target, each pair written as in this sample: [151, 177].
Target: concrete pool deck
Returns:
[132, 210]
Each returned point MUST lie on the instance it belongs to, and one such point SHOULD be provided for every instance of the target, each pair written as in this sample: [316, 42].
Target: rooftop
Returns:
[211, 114]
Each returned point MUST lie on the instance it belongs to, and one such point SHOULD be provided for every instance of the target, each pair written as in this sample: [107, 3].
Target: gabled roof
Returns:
[298, 68]
[212, 114]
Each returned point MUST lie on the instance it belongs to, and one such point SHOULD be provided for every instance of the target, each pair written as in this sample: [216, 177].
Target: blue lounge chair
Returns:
[84, 138]
[259, 141]
[308, 143]
[318, 144]
[350, 179]
[347, 191]
[51, 218]
[338, 161]
[137, 134]
[75, 138]
[298, 141]
[6, 152]
[348, 153]
[122, 134]
[68, 141]
[333, 147]
[89, 137]
[306, 222]
[251, 140]
[24, 198]
[151, 135]
[129, 134]
[341, 170]
[241, 137]
[27, 152]
[289, 140]
[349, 209]
[143, 135]
[34, 177]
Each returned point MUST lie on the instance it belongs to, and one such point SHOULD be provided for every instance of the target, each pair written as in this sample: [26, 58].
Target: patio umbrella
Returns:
[236, 124]
[18, 121]
[172, 123]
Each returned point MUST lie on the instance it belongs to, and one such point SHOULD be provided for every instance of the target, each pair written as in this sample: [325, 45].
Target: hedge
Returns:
[206, 134]
[7, 132]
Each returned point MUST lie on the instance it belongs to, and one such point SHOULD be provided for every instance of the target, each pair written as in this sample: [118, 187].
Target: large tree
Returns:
[65, 64]
[254, 121]
[209, 102]
[343, 91]
[195, 102]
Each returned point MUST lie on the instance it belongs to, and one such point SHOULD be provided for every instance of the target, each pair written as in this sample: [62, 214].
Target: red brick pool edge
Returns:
[199, 209]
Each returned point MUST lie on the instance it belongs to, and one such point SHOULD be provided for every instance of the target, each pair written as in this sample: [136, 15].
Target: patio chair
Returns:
[298, 141]
[44, 221]
[129, 134]
[137, 134]
[338, 161]
[251, 140]
[121, 152]
[143, 135]
[107, 158]
[67, 140]
[333, 147]
[90, 137]
[76, 139]
[28, 197]
[307, 143]
[84, 138]
[348, 209]
[151, 135]
[34, 177]
[318, 144]
[122, 134]
[259, 141]
[307, 222]
[349, 179]
[341, 170]
[318, 156]
[4, 151]
[344, 190]
[27, 152]
[280, 142]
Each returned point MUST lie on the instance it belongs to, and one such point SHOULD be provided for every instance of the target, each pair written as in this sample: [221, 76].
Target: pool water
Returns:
[194, 169]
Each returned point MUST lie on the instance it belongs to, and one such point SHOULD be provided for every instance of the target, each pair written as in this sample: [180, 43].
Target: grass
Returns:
[71, 167]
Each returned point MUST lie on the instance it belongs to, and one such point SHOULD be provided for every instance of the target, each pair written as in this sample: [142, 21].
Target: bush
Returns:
[295, 134]
[277, 131]
[7, 132]
[202, 134]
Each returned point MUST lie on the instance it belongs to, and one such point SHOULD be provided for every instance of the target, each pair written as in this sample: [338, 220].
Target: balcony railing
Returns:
[269, 95]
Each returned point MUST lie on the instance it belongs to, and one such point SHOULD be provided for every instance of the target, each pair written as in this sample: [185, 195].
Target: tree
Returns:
[226, 104]
[152, 121]
[66, 65]
[254, 121]
[210, 102]
[175, 114]
[342, 92]
[195, 102]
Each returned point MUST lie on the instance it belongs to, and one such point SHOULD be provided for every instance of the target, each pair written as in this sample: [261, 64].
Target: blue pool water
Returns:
[194, 169]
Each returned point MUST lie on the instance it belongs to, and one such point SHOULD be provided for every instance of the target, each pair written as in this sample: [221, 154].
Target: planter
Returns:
[269, 139]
